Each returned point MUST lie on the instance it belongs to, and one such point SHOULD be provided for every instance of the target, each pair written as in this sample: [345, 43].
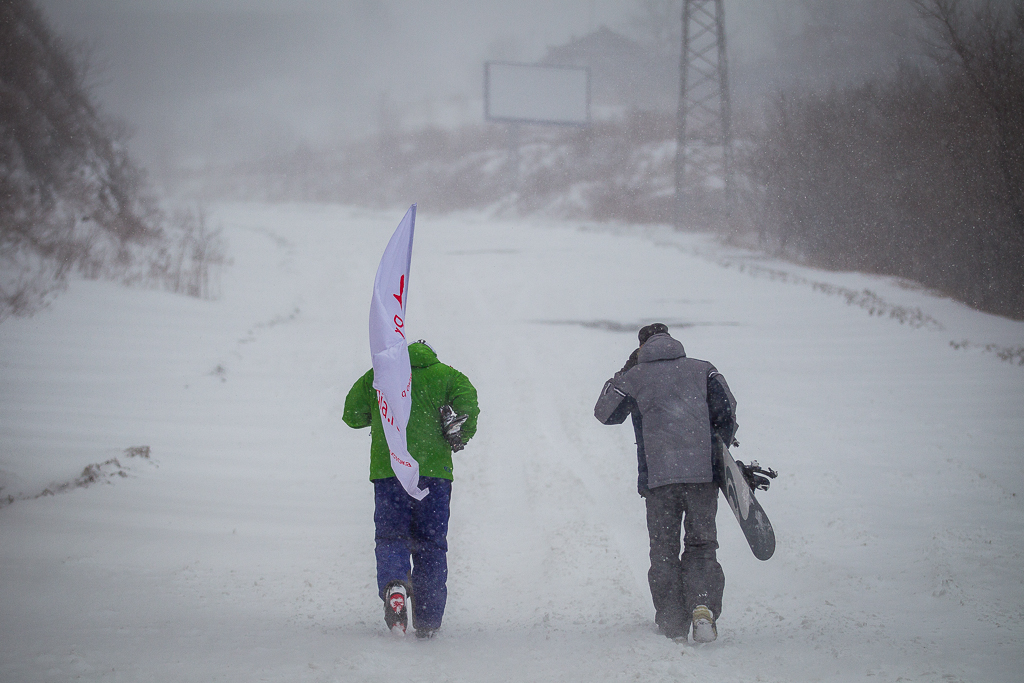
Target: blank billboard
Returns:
[533, 93]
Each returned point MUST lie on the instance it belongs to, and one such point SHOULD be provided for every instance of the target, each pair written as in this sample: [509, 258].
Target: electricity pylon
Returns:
[703, 120]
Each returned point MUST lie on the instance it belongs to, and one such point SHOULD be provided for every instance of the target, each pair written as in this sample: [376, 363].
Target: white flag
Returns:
[392, 372]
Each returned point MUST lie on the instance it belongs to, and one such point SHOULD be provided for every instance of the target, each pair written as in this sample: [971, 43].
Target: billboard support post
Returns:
[514, 129]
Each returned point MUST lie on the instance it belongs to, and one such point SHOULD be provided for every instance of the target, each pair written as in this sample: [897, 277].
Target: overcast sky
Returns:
[201, 79]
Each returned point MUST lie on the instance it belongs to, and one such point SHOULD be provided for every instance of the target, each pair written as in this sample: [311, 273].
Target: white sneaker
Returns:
[704, 629]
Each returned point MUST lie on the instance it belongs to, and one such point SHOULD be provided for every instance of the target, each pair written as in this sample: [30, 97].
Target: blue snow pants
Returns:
[409, 529]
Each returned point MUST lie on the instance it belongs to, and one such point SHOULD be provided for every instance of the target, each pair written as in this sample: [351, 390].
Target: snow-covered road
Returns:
[241, 549]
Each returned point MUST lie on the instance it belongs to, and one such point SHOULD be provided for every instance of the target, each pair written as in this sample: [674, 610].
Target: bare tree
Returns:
[916, 172]
[71, 197]
[986, 40]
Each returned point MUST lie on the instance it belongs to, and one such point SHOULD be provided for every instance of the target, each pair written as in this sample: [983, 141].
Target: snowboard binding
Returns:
[758, 478]
[451, 427]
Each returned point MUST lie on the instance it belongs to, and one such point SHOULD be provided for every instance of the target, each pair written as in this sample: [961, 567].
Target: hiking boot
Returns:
[704, 629]
[396, 613]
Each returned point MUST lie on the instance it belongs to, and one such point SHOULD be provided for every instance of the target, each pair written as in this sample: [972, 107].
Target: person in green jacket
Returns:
[407, 529]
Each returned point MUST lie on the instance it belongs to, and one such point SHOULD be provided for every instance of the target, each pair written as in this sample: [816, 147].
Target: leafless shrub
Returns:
[188, 252]
[915, 174]
[71, 198]
[1010, 354]
[612, 170]
[93, 473]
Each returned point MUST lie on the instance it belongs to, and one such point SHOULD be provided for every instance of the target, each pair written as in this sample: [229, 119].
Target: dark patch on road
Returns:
[633, 327]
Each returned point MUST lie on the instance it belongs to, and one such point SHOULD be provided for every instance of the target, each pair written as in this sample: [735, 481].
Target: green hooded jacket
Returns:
[433, 385]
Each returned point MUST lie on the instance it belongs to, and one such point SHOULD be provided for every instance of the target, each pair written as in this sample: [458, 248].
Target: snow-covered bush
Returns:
[71, 198]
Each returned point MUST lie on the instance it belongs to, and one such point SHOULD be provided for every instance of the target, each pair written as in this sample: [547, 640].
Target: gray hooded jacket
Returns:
[681, 401]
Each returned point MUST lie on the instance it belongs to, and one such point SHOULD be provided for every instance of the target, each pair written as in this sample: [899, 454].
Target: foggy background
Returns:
[879, 136]
[233, 80]
[283, 142]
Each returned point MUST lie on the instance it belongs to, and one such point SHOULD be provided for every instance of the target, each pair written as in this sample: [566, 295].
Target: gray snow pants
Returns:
[678, 584]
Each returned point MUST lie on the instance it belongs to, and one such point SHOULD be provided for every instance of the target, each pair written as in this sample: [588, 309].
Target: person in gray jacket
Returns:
[679, 405]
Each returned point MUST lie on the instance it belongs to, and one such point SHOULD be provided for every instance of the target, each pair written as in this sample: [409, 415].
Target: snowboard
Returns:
[753, 521]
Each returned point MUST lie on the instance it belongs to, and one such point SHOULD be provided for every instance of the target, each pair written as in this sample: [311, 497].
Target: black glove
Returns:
[451, 427]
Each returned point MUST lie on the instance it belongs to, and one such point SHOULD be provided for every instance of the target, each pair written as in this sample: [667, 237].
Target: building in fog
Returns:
[624, 75]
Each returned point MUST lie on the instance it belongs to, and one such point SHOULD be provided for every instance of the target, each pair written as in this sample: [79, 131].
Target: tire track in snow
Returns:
[524, 514]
